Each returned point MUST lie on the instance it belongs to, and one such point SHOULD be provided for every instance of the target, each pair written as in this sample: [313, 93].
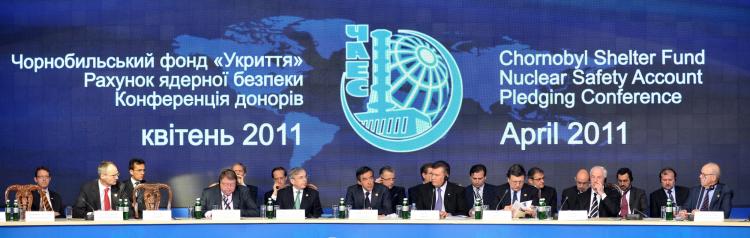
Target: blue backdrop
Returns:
[49, 118]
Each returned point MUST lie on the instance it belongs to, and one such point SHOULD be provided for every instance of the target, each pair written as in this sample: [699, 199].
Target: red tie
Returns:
[107, 205]
[624, 205]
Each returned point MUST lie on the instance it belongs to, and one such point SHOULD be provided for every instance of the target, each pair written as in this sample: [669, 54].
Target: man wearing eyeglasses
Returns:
[46, 199]
[300, 195]
[711, 195]
[100, 194]
[388, 179]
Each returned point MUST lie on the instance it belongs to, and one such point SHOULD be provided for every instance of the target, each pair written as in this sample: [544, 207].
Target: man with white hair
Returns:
[711, 195]
[601, 199]
[99, 194]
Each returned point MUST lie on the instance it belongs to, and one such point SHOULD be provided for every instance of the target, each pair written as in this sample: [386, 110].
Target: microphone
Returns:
[501, 200]
[638, 216]
[432, 200]
[639, 212]
[89, 215]
[562, 204]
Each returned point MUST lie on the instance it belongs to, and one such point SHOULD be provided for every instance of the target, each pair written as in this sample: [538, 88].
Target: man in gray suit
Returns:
[632, 200]
[367, 194]
[228, 196]
[711, 195]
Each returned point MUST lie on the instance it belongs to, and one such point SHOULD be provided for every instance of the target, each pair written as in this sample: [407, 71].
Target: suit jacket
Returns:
[310, 201]
[380, 198]
[414, 192]
[90, 194]
[489, 195]
[268, 195]
[397, 196]
[720, 201]
[608, 207]
[637, 200]
[550, 197]
[55, 201]
[658, 198]
[528, 192]
[241, 199]
[569, 198]
[453, 202]
[253, 190]
[127, 188]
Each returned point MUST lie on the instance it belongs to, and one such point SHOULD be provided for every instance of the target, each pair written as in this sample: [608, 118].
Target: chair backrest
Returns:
[23, 194]
[151, 196]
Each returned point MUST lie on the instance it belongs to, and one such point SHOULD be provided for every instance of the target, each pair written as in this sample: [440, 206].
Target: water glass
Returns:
[191, 212]
[68, 212]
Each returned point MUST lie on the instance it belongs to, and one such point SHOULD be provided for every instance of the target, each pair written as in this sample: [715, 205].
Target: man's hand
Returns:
[598, 188]
[443, 214]
[379, 180]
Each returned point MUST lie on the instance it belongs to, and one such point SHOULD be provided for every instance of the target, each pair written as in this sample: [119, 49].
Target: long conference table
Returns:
[384, 227]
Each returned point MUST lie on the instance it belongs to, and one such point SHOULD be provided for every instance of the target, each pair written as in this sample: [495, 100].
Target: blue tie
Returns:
[439, 204]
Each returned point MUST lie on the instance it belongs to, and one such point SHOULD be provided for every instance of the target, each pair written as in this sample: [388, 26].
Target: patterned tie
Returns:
[704, 204]
[367, 200]
[624, 204]
[594, 208]
[477, 194]
[669, 192]
[297, 199]
[107, 204]
[45, 202]
[227, 205]
[439, 203]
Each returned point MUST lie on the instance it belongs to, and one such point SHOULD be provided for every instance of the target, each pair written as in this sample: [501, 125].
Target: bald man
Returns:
[568, 200]
[711, 195]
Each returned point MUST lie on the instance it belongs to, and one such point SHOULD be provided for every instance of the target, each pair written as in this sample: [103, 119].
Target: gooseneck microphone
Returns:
[501, 199]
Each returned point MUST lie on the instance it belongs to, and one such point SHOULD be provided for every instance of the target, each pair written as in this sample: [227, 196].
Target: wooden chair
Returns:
[151, 196]
[23, 194]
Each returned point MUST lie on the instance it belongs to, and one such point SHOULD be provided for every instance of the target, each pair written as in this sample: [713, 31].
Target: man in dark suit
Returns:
[441, 195]
[711, 195]
[229, 195]
[388, 179]
[479, 187]
[137, 169]
[100, 194]
[632, 200]
[46, 199]
[425, 171]
[241, 170]
[516, 191]
[279, 181]
[569, 201]
[536, 179]
[602, 199]
[299, 195]
[677, 194]
[367, 194]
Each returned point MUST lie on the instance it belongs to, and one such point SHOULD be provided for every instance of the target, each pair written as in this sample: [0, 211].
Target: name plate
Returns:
[225, 215]
[714, 216]
[363, 214]
[573, 215]
[40, 216]
[497, 215]
[2, 217]
[107, 215]
[290, 214]
[165, 215]
[425, 215]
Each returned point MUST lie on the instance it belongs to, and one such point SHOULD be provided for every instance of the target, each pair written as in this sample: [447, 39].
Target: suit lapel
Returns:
[715, 198]
[359, 197]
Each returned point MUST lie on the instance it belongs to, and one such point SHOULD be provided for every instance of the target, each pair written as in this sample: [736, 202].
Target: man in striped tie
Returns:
[602, 199]
[229, 196]
[46, 199]
[711, 195]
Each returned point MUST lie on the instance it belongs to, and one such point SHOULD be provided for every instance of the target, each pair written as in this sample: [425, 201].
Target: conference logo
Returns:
[406, 90]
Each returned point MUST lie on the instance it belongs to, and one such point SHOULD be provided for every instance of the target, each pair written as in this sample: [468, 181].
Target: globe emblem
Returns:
[414, 95]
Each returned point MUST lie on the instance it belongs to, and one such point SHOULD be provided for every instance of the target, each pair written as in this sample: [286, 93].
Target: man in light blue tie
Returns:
[444, 196]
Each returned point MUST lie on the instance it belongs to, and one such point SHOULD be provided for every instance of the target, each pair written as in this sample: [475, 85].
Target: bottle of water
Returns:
[478, 209]
[541, 213]
[405, 211]
[669, 211]
[270, 213]
[198, 209]
[125, 210]
[342, 209]
[8, 211]
[16, 211]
